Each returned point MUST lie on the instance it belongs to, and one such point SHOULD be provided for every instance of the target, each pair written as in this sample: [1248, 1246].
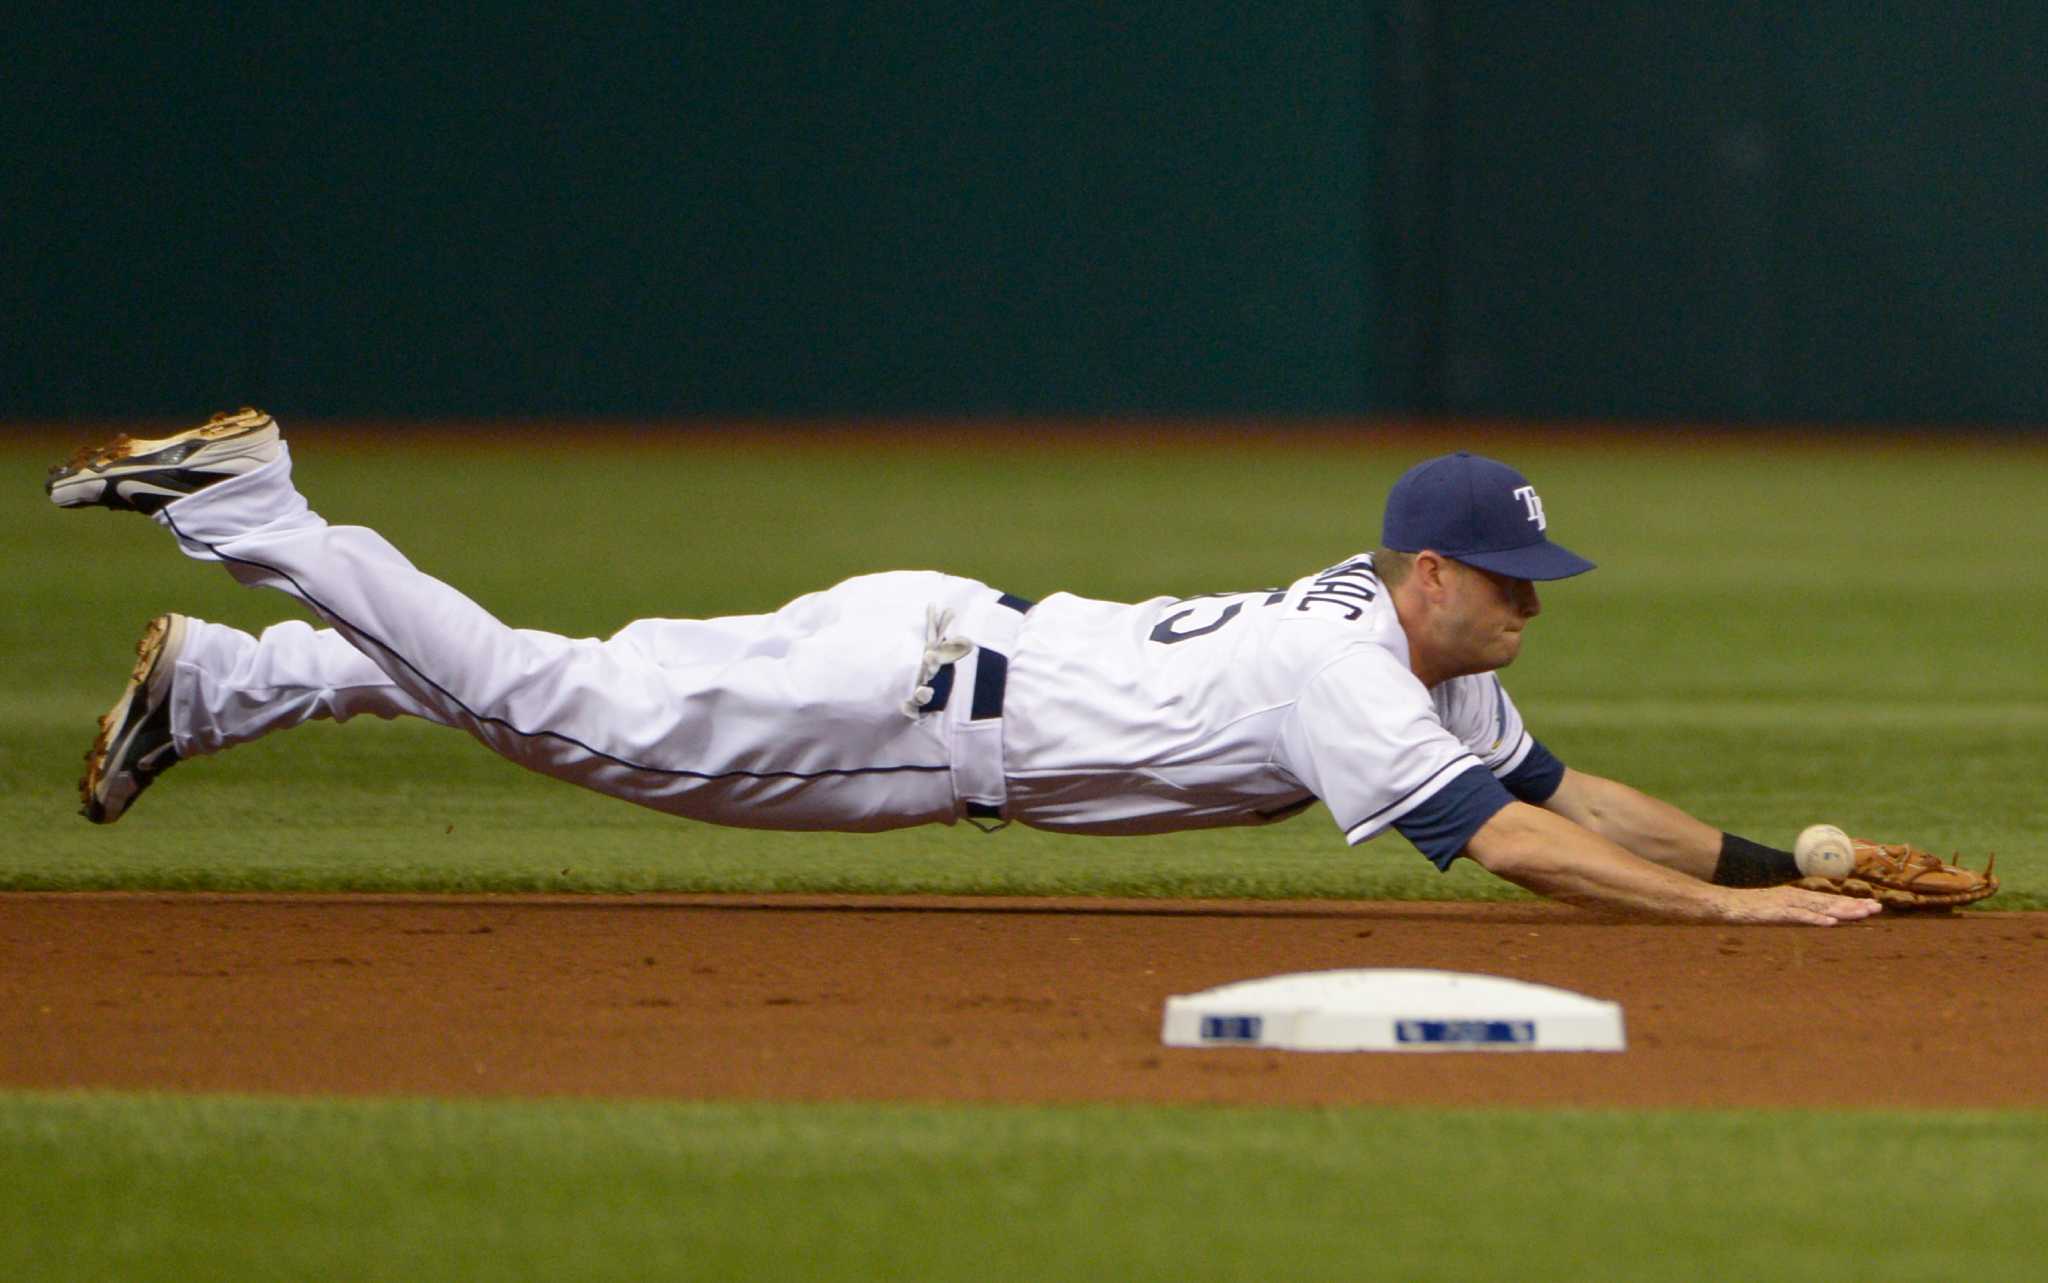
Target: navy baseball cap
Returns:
[1477, 511]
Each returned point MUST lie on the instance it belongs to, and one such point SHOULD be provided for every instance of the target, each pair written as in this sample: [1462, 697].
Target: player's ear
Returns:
[1430, 571]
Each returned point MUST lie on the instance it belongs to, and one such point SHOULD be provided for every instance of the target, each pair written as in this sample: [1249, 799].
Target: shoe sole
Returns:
[94, 470]
[148, 686]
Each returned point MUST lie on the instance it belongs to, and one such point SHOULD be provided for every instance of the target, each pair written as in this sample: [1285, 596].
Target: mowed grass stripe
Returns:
[147, 1188]
[1798, 715]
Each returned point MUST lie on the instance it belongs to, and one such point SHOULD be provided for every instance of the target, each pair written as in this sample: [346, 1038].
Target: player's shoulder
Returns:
[1345, 592]
[1473, 695]
[1338, 609]
[1367, 657]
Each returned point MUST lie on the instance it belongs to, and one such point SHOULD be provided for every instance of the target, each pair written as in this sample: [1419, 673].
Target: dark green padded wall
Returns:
[837, 209]
[1823, 212]
[1827, 213]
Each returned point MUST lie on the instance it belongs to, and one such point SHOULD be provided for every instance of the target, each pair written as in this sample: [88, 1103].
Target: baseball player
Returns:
[916, 697]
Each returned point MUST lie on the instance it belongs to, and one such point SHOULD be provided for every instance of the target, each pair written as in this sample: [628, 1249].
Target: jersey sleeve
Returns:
[1479, 712]
[1368, 739]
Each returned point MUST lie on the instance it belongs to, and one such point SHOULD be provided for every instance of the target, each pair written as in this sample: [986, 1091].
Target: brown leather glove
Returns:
[1902, 876]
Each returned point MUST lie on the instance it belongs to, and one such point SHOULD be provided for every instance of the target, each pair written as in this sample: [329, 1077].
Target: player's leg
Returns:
[792, 731]
[198, 688]
[231, 687]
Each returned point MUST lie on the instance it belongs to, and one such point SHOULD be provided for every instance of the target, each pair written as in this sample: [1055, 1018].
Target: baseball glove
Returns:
[1902, 876]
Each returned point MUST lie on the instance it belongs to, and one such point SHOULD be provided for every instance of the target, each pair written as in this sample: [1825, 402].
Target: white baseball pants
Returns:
[795, 719]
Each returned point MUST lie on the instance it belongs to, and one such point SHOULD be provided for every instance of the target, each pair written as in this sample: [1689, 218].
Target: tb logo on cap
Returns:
[1478, 511]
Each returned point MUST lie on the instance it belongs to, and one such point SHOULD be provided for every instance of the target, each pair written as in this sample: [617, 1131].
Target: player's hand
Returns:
[1793, 904]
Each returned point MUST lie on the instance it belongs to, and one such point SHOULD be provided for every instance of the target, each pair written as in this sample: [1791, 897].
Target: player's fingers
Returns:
[1807, 908]
[1834, 908]
[1795, 915]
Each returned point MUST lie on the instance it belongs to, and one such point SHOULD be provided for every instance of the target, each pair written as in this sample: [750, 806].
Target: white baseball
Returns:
[1824, 851]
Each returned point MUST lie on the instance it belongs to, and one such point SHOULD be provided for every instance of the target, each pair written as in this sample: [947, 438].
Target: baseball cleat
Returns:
[134, 744]
[133, 475]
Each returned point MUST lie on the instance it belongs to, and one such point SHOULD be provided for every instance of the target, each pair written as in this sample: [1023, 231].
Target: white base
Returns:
[1384, 1009]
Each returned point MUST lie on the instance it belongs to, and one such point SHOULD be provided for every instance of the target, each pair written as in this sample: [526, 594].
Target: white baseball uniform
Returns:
[888, 700]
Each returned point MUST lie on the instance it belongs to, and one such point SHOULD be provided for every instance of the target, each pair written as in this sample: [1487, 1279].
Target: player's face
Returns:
[1485, 617]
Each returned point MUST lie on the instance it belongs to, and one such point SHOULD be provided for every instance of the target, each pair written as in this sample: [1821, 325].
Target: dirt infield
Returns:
[808, 998]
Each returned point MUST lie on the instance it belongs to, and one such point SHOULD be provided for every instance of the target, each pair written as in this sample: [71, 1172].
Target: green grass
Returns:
[141, 1188]
[1776, 636]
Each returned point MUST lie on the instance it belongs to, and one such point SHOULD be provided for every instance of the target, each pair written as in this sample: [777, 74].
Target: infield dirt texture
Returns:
[958, 1000]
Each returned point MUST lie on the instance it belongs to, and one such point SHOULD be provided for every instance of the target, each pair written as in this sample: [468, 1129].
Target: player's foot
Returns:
[134, 744]
[134, 475]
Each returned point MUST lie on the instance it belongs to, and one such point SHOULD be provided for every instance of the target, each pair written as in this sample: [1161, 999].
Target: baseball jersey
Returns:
[1244, 708]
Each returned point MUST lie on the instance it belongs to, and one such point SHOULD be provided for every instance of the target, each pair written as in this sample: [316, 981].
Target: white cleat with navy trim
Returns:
[134, 744]
[131, 474]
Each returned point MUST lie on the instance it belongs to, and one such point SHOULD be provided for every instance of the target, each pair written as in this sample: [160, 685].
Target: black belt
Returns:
[991, 679]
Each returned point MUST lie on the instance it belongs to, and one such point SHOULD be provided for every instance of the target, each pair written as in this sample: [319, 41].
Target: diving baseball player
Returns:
[916, 697]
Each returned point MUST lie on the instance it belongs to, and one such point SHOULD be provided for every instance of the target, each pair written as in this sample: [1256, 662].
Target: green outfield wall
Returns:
[982, 209]
[1823, 212]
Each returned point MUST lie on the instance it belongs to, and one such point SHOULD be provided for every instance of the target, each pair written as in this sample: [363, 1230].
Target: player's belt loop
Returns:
[991, 678]
[992, 670]
[991, 674]
[978, 770]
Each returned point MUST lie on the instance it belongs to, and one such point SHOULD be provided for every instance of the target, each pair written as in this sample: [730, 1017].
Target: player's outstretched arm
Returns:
[1554, 857]
[1637, 822]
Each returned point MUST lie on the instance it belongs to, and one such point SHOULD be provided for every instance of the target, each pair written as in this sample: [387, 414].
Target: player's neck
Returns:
[1431, 664]
[1421, 659]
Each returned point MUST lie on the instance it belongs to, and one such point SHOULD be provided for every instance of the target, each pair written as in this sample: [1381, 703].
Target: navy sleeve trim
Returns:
[1452, 768]
[1536, 776]
[1442, 826]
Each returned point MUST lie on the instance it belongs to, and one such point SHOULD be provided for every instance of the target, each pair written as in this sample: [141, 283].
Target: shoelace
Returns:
[940, 649]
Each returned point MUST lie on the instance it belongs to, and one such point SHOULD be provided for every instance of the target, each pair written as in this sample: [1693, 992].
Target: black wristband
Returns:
[1744, 863]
